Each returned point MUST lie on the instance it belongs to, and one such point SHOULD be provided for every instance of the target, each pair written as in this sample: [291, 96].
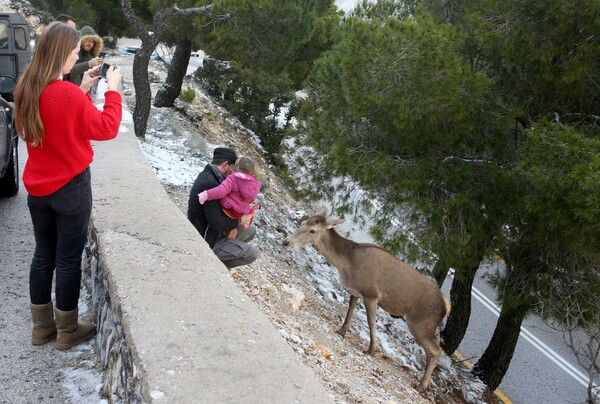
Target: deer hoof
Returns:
[422, 388]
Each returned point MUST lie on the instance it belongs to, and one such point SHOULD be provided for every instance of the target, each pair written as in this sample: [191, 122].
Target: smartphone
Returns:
[102, 55]
[104, 69]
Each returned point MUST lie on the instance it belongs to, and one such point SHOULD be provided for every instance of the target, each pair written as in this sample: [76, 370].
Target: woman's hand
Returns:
[113, 78]
[89, 78]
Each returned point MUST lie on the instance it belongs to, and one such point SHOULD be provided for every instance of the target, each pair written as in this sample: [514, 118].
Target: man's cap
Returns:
[224, 153]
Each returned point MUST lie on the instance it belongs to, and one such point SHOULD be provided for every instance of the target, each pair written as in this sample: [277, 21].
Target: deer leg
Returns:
[433, 354]
[351, 306]
[371, 306]
[424, 333]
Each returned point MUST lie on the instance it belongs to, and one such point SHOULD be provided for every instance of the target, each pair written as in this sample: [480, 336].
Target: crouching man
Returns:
[227, 237]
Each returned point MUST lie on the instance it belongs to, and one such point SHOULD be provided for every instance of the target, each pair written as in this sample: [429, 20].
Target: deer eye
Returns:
[312, 231]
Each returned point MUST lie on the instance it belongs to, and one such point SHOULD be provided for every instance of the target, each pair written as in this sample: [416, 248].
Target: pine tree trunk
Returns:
[143, 94]
[141, 60]
[170, 90]
[440, 271]
[460, 298]
[494, 362]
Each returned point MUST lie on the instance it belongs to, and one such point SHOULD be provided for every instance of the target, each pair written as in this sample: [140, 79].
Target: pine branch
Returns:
[160, 17]
[578, 118]
[476, 162]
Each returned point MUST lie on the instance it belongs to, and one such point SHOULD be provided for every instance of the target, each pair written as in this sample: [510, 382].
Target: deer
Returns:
[379, 278]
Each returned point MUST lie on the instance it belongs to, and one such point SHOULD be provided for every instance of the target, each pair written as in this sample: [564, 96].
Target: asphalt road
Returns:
[31, 374]
[543, 369]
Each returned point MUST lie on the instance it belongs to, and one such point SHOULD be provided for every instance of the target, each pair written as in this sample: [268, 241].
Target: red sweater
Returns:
[70, 121]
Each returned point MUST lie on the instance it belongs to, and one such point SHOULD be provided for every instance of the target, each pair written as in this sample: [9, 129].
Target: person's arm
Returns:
[96, 124]
[78, 69]
[81, 67]
[88, 79]
[217, 192]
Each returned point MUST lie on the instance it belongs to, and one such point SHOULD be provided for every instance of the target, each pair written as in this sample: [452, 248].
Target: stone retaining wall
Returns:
[119, 382]
[173, 325]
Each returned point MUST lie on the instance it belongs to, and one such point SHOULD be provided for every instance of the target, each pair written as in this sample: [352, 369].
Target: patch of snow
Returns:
[160, 152]
[157, 395]
[83, 384]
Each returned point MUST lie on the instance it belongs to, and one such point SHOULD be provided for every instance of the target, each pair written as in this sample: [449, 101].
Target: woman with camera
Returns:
[58, 120]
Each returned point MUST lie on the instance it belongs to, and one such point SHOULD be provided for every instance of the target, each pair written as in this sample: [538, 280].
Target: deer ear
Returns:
[334, 222]
[322, 211]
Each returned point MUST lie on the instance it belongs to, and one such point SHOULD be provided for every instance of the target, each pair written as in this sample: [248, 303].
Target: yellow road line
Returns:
[468, 364]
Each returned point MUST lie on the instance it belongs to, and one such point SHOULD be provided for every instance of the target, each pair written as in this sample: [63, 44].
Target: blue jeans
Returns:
[60, 226]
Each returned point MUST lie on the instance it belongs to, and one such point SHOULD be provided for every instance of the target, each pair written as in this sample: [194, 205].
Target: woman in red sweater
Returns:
[58, 120]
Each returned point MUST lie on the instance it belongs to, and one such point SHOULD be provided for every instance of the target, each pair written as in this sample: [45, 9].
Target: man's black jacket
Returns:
[208, 219]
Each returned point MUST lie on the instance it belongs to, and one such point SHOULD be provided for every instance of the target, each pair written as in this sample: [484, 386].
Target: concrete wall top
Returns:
[196, 336]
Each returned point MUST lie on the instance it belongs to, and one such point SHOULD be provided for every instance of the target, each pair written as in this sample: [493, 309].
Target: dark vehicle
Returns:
[15, 53]
[209, 62]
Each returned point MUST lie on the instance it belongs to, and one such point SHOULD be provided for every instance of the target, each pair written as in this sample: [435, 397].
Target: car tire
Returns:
[9, 183]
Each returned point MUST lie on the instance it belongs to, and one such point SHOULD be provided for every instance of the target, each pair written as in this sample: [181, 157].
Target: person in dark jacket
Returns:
[91, 45]
[227, 237]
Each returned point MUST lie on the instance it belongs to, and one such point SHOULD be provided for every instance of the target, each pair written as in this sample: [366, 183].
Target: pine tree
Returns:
[447, 126]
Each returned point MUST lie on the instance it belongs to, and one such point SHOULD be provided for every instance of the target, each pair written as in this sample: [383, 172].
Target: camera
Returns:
[102, 55]
[104, 69]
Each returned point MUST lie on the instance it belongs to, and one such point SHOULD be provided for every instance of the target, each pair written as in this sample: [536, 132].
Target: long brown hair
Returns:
[52, 49]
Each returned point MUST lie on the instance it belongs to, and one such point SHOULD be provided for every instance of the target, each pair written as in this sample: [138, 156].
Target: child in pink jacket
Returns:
[237, 191]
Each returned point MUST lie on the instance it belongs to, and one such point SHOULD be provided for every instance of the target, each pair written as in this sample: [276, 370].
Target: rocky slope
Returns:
[297, 290]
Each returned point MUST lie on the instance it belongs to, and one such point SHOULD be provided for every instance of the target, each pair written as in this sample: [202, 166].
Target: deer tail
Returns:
[447, 304]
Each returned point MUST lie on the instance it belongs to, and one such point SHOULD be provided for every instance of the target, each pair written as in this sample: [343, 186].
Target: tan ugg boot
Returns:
[44, 328]
[70, 332]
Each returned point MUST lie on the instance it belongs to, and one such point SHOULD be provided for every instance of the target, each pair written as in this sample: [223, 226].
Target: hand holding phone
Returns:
[114, 77]
[104, 69]
[89, 77]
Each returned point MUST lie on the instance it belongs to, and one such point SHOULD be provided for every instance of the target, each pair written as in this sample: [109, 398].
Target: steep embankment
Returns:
[297, 290]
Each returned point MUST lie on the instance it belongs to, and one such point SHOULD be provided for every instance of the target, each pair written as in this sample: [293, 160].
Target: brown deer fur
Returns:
[369, 272]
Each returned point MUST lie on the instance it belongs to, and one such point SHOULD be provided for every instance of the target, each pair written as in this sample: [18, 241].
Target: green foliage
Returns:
[383, 9]
[403, 106]
[256, 98]
[391, 102]
[545, 54]
[183, 26]
[105, 16]
[271, 46]
[82, 11]
[320, 41]
[187, 95]
[562, 171]
[259, 34]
